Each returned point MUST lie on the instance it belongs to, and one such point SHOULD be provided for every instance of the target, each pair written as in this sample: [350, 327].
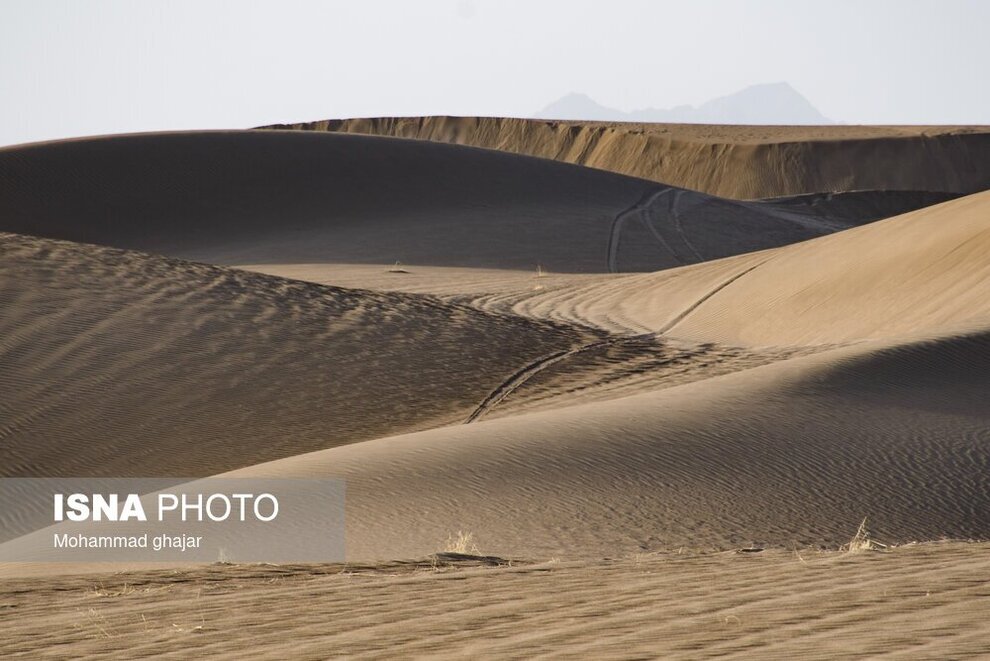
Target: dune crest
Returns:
[742, 162]
[276, 199]
[923, 272]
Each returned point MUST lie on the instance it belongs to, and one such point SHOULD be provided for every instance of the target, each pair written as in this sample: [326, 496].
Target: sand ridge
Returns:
[743, 162]
[279, 199]
[126, 364]
[921, 272]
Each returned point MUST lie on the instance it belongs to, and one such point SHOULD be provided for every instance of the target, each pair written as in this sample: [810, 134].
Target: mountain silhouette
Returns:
[770, 103]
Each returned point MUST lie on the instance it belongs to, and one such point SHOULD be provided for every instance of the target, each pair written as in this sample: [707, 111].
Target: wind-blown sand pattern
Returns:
[142, 365]
[614, 384]
[922, 272]
[710, 464]
[923, 601]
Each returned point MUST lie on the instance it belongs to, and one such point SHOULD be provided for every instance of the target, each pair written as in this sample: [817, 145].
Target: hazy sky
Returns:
[79, 67]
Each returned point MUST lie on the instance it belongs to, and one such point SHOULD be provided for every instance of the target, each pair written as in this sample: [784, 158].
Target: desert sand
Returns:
[143, 365]
[659, 413]
[254, 197]
[922, 601]
[743, 162]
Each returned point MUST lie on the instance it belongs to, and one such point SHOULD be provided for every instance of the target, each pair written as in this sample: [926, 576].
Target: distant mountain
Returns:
[770, 103]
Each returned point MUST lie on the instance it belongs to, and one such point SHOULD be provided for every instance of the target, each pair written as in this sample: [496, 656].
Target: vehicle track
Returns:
[527, 372]
[694, 306]
[622, 217]
[513, 383]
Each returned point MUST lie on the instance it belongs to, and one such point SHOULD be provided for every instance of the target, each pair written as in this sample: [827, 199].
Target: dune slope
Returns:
[117, 363]
[922, 272]
[794, 453]
[262, 198]
[742, 162]
[271, 200]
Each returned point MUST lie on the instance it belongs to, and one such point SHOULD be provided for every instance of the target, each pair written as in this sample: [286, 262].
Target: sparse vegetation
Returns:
[127, 589]
[100, 623]
[100, 591]
[862, 541]
[463, 543]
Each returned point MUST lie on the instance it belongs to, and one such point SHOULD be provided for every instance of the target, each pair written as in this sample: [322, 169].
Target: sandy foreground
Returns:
[923, 601]
[660, 414]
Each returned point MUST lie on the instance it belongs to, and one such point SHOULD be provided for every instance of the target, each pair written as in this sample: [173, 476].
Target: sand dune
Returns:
[272, 200]
[857, 207]
[918, 273]
[570, 364]
[711, 443]
[253, 197]
[119, 363]
[922, 272]
[758, 456]
[152, 355]
[922, 601]
[742, 162]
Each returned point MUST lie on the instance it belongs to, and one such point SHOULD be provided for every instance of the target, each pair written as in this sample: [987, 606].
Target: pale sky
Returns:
[85, 67]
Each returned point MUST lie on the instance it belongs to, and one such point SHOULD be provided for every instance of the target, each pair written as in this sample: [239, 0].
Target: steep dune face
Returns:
[923, 272]
[795, 454]
[742, 162]
[271, 199]
[117, 363]
[920, 273]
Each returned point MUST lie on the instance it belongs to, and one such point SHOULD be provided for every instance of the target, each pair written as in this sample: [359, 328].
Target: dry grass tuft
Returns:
[861, 541]
[126, 590]
[463, 543]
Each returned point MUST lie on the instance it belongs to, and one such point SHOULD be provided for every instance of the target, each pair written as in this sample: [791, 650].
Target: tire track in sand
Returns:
[524, 374]
[640, 207]
[513, 383]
